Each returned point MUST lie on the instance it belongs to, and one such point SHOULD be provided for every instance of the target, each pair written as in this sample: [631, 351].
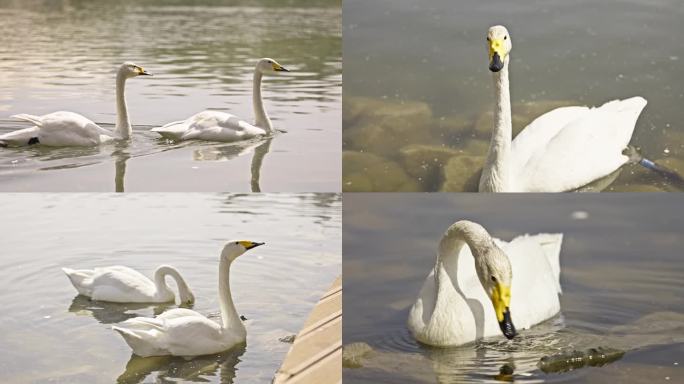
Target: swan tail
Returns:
[174, 130]
[140, 341]
[551, 244]
[30, 118]
[634, 104]
[20, 137]
[79, 279]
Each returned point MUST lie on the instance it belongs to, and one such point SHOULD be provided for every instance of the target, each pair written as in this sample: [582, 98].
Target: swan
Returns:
[183, 332]
[481, 286]
[561, 150]
[221, 126]
[125, 285]
[64, 129]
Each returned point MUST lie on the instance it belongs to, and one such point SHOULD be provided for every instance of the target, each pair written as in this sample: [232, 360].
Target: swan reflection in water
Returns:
[168, 369]
[112, 313]
[230, 151]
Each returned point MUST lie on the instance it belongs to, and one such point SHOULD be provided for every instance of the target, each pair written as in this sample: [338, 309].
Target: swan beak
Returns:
[496, 55]
[496, 64]
[143, 72]
[279, 68]
[501, 298]
[250, 244]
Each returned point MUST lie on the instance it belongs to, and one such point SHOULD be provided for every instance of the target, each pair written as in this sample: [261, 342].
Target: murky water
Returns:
[62, 55]
[621, 271]
[418, 90]
[49, 334]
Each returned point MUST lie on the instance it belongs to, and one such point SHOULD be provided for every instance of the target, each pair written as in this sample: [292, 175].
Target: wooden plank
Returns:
[316, 354]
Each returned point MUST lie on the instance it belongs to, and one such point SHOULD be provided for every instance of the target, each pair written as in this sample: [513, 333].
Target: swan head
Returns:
[233, 249]
[495, 274]
[267, 65]
[129, 70]
[499, 46]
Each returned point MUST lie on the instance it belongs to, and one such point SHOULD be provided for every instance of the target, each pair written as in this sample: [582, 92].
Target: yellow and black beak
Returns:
[501, 298]
[250, 244]
[279, 68]
[496, 55]
[142, 72]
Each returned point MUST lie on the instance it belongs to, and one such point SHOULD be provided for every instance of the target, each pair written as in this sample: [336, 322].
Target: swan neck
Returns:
[160, 281]
[123, 124]
[496, 169]
[261, 118]
[462, 233]
[229, 315]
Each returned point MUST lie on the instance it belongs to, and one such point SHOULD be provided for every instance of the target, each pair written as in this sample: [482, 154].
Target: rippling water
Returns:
[404, 52]
[62, 55]
[49, 334]
[621, 272]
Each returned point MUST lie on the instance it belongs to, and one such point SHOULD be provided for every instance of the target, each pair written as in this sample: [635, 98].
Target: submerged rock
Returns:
[462, 174]
[382, 127]
[363, 172]
[353, 353]
[289, 339]
[425, 162]
[568, 361]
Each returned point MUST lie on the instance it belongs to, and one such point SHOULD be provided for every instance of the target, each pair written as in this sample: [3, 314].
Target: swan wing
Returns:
[210, 126]
[122, 284]
[536, 284]
[582, 150]
[183, 333]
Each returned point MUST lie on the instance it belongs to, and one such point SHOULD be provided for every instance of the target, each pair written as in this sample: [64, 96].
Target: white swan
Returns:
[125, 285]
[563, 149]
[63, 129]
[473, 272]
[221, 126]
[183, 332]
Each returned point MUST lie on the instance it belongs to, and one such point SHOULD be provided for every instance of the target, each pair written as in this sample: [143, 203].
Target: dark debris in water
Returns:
[568, 361]
[288, 339]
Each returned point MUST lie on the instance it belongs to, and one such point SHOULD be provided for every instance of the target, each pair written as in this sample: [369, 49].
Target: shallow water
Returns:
[49, 334]
[429, 63]
[62, 55]
[621, 272]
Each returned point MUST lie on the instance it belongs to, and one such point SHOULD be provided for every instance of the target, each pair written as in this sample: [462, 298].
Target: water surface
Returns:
[416, 74]
[49, 334]
[62, 55]
[621, 272]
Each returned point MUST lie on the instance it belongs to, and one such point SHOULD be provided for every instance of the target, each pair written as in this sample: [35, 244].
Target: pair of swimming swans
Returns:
[481, 286]
[176, 332]
[562, 150]
[60, 129]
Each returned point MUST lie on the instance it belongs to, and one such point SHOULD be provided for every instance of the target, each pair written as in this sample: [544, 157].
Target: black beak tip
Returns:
[496, 64]
[507, 327]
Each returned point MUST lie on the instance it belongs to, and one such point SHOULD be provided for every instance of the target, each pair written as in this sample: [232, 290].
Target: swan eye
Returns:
[493, 278]
[488, 38]
[505, 37]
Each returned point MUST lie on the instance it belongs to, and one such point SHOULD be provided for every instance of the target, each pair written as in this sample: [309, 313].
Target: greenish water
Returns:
[49, 334]
[621, 275]
[62, 55]
[416, 74]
